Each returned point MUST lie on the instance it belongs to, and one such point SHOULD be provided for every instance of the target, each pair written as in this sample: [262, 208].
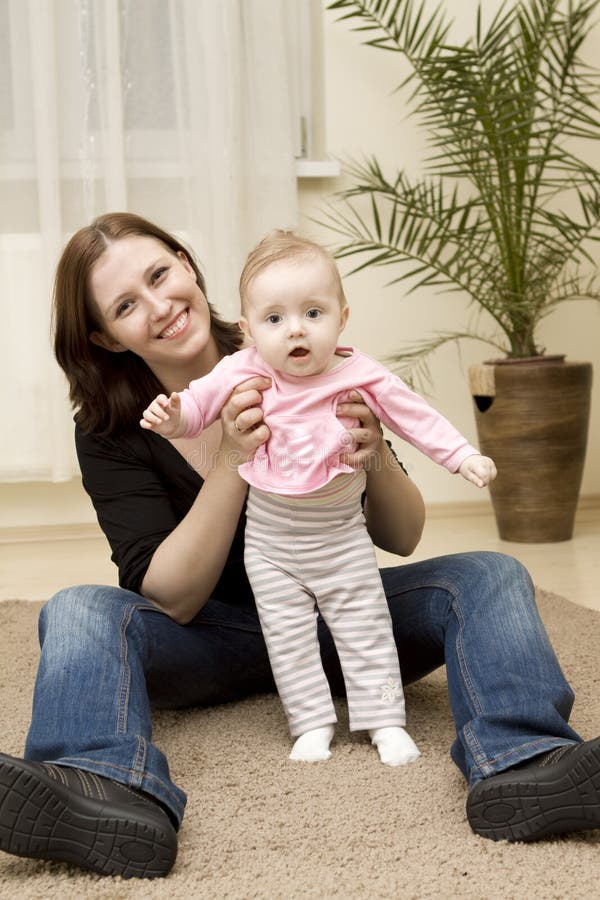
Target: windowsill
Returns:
[317, 168]
[70, 169]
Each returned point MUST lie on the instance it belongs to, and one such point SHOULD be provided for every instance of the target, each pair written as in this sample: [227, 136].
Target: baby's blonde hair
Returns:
[279, 245]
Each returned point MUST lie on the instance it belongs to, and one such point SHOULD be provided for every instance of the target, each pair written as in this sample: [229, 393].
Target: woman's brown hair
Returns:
[109, 390]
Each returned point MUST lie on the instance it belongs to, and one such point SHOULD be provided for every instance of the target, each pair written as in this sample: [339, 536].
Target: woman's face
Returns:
[149, 302]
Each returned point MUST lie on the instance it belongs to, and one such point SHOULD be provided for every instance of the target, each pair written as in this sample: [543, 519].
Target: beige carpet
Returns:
[260, 826]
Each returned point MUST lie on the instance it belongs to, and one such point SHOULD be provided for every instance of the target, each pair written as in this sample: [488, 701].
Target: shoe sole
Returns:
[41, 820]
[519, 808]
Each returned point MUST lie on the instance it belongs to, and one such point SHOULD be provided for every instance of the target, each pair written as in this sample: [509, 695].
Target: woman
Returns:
[132, 320]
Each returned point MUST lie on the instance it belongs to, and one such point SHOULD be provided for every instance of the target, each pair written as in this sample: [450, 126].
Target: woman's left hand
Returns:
[368, 435]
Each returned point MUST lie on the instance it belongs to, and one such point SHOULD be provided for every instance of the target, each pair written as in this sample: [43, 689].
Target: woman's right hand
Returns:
[242, 419]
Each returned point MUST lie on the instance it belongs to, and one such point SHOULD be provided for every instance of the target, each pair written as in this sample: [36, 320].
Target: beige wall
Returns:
[363, 118]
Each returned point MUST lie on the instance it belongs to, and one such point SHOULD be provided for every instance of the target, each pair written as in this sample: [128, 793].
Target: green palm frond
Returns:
[412, 360]
[397, 24]
[505, 206]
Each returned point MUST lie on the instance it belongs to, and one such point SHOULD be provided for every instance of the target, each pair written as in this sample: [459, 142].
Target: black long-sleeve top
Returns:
[141, 488]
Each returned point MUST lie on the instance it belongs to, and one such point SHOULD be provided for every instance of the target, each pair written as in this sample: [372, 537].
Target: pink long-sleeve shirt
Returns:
[307, 438]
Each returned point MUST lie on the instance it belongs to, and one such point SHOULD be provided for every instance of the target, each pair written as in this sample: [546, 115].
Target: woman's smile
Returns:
[176, 327]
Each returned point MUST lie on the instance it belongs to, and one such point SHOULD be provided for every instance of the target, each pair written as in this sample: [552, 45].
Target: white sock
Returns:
[394, 745]
[313, 746]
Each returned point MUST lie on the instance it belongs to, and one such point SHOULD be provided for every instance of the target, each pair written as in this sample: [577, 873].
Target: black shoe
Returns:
[555, 793]
[66, 814]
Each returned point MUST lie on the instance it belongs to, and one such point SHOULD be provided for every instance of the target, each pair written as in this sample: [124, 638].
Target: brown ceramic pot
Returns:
[532, 419]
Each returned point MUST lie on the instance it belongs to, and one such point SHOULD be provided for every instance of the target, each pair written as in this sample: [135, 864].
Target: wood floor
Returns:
[34, 564]
[570, 568]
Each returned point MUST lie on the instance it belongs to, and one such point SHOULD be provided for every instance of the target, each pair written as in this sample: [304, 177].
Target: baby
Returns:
[307, 549]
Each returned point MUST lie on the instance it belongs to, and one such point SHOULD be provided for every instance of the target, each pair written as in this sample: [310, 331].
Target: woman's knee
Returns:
[509, 577]
[497, 588]
[495, 572]
[85, 611]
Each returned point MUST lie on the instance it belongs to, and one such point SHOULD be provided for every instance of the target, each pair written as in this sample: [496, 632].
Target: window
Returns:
[305, 36]
[92, 38]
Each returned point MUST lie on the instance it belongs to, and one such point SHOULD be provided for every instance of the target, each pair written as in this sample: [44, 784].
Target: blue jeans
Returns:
[108, 655]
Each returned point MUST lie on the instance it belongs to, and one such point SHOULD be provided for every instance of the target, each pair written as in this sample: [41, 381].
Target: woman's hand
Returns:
[368, 436]
[242, 419]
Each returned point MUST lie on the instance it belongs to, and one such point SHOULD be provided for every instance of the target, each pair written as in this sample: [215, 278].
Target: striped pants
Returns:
[311, 554]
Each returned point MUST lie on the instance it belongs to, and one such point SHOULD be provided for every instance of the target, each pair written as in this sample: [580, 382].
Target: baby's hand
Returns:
[480, 470]
[164, 416]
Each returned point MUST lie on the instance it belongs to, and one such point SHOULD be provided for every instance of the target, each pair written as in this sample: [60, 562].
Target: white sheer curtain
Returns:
[178, 110]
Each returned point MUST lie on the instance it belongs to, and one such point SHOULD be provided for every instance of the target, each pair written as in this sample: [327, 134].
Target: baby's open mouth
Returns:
[299, 351]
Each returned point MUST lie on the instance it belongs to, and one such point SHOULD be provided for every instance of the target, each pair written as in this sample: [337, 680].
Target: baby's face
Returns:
[294, 315]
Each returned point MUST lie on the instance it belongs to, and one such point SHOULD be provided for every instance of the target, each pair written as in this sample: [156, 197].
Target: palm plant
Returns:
[506, 208]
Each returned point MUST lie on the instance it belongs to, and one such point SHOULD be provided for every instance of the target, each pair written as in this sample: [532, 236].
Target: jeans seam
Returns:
[477, 753]
[139, 762]
[479, 757]
[125, 686]
[463, 667]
